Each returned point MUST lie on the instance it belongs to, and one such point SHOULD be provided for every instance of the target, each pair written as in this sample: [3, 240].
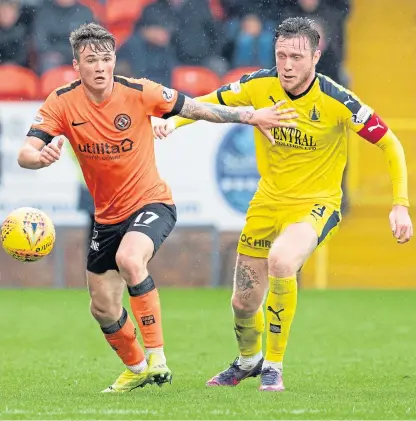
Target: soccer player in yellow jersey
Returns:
[297, 204]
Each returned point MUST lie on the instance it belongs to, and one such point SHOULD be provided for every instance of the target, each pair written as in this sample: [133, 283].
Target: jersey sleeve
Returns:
[160, 101]
[211, 98]
[48, 122]
[362, 119]
[235, 94]
[368, 124]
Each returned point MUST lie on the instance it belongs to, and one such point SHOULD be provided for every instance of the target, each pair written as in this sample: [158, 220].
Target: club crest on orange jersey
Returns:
[122, 122]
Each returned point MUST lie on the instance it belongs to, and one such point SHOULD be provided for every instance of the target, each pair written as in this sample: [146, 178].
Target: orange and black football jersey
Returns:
[113, 141]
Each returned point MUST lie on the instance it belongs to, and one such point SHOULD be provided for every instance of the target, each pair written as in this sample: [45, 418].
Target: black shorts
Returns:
[156, 220]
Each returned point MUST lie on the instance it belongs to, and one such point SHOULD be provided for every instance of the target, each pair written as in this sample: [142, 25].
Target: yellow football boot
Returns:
[158, 372]
[127, 381]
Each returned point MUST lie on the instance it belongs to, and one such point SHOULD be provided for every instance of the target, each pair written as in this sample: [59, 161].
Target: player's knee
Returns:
[131, 267]
[282, 264]
[104, 312]
[244, 308]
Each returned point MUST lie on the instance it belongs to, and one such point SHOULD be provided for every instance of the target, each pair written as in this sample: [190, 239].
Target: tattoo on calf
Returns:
[246, 279]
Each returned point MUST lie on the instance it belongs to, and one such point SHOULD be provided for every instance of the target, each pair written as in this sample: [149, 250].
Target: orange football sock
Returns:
[145, 304]
[122, 338]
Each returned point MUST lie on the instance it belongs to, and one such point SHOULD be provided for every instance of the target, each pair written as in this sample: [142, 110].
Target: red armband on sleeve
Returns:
[374, 129]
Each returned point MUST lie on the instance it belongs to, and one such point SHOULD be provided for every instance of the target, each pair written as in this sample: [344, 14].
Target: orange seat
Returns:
[54, 78]
[121, 31]
[17, 83]
[217, 10]
[235, 74]
[123, 11]
[120, 17]
[195, 80]
[96, 7]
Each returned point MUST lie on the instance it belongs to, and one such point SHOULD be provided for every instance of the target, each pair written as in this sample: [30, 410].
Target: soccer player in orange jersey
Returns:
[107, 121]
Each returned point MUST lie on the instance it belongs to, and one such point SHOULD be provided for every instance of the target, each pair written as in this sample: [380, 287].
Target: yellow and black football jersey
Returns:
[306, 163]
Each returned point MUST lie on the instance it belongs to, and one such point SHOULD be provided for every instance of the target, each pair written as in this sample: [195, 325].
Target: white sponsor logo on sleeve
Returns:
[235, 87]
[38, 119]
[168, 94]
[362, 116]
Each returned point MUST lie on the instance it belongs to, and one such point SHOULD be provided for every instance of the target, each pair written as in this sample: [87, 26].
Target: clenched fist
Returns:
[51, 153]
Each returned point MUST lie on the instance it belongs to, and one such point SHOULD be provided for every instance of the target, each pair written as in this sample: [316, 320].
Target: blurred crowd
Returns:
[155, 36]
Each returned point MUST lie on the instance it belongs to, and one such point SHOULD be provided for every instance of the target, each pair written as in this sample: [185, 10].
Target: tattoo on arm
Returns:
[215, 113]
[246, 279]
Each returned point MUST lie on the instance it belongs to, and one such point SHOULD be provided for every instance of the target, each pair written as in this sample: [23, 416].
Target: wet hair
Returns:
[299, 27]
[93, 35]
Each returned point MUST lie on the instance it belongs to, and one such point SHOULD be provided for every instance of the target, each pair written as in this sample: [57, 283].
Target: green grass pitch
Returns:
[351, 355]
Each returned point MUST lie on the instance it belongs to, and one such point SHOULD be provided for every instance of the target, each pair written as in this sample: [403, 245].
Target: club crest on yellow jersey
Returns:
[314, 114]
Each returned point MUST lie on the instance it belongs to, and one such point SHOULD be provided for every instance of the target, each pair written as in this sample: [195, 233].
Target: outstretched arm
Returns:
[264, 119]
[216, 113]
[163, 128]
[178, 121]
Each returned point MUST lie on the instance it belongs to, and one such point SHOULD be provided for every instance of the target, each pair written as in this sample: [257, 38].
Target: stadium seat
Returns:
[235, 74]
[124, 10]
[55, 78]
[217, 10]
[96, 7]
[195, 80]
[121, 31]
[120, 17]
[17, 82]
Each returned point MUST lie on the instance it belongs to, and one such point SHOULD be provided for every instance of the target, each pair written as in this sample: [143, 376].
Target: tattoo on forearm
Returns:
[215, 113]
[246, 279]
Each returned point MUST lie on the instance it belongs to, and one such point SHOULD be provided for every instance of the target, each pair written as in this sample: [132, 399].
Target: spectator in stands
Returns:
[330, 63]
[319, 9]
[251, 42]
[198, 36]
[240, 8]
[148, 52]
[53, 22]
[265, 9]
[14, 34]
[342, 8]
